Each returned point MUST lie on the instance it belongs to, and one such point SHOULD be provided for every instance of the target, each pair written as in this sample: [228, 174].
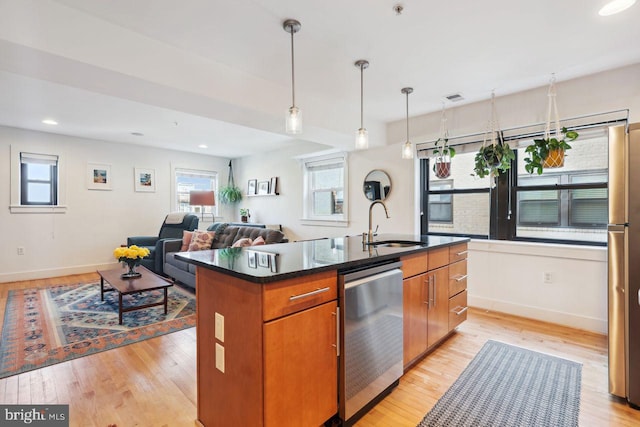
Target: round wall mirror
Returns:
[377, 185]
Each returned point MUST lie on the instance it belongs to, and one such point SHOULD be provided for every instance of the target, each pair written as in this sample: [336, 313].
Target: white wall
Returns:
[286, 209]
[83, 238]
[509, 277]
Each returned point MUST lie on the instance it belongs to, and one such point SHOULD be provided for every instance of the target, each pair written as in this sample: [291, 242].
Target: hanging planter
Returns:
[549, 152]
[230, 194]
[443, 153]
[495, 156]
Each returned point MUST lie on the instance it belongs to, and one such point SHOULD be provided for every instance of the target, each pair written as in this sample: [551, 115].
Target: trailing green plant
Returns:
[540, 149]
[492, 159]
[230, 193]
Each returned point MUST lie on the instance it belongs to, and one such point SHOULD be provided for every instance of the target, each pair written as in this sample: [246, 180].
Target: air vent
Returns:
[455, 97]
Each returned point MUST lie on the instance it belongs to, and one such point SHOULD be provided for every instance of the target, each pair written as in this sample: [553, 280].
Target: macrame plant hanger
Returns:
[442, 167]
[554, 159]
[492, 125]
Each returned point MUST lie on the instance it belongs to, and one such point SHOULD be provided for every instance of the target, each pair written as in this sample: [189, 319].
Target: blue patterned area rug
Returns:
[510, 386]
[44, 326]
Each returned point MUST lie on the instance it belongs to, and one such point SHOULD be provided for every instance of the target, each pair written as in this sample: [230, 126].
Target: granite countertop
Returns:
[269, 263]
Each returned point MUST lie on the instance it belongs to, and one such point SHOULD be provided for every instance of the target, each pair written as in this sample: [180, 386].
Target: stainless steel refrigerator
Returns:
[624, 262]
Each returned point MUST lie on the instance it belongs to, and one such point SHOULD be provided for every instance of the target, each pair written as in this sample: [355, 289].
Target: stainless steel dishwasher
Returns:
[371, 355]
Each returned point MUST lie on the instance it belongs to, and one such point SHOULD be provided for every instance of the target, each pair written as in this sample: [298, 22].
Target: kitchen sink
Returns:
[395, 243]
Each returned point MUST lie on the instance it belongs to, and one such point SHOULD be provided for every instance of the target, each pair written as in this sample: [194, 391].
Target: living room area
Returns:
[135, 132]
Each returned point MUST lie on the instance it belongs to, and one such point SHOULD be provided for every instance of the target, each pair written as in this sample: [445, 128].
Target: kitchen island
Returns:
[268, 321]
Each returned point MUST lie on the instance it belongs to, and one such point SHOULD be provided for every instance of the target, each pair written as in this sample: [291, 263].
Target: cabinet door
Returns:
[301, 368]
[415, 296]
[438, 285]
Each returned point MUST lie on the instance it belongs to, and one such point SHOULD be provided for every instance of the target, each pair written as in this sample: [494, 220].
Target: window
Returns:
[188, 180]
[324, 189]
[441, 205]
[563, 205]
[38, 179]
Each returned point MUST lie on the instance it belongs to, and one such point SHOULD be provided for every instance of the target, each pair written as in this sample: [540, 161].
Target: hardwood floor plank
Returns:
[153, 382]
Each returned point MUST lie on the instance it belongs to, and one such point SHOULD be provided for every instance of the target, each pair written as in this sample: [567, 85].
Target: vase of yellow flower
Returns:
[130, 256]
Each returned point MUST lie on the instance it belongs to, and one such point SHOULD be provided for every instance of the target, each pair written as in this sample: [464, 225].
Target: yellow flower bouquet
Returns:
[131, 256]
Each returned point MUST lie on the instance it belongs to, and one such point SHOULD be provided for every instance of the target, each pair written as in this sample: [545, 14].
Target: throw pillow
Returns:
[201, 240]
[241, 243]
[258, 241]
[186, 240]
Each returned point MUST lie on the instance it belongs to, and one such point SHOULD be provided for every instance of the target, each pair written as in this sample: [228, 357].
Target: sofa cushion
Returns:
[186, 240]
[201, 240]
[258, 241]
[241, 243]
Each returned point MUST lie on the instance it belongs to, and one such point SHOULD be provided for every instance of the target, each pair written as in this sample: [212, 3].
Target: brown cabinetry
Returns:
[266, 353]
[433, 301]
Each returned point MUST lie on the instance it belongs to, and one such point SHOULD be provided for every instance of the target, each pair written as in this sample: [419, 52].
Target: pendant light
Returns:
[294, 114]
[407, 147]
[362, 136]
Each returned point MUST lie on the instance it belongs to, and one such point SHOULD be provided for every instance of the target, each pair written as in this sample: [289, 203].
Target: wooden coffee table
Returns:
[148, 281]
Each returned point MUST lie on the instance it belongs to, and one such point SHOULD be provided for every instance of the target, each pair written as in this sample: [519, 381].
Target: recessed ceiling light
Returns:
[615, 6]
[203, 146]
[137, 133]
[49, 122]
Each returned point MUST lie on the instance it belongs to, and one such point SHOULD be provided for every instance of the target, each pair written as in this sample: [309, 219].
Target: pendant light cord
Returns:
[293, 74]
[361, 96]
[407, 116]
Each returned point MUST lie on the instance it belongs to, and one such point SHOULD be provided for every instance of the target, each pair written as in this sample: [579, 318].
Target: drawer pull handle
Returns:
[309, 294]
[461, 253]
[459, 310]
[461, 278]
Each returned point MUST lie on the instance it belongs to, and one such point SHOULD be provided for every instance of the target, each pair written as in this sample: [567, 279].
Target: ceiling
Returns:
[219, 73]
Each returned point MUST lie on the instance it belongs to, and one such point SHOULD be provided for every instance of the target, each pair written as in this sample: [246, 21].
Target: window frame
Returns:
[308, 192]
[503, 218]
[179, 207]
[35, 150]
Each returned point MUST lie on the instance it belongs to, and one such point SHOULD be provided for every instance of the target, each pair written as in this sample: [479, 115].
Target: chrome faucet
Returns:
[371, 232]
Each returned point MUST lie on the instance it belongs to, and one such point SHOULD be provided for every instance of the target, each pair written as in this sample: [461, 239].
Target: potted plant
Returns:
[244, 215]
[443, 155]
[548, 152]
[492, 159]
[230, 193]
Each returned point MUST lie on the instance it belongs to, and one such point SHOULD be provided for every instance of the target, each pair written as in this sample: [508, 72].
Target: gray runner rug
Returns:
[511, 386]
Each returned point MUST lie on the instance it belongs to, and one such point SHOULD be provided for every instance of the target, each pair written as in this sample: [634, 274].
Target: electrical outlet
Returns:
[20, 250]
[547, 277]
[220, 358]
[219, 327]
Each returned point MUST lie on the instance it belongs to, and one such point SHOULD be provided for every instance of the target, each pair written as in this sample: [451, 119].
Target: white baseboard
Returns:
[54, 272]
[565, 319]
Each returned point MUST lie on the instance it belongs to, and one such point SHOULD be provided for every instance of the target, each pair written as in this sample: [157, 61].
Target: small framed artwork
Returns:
[263, 259]
[251, 187]
[145, 179]
[251, 256]
[273, 186]
[98, 176]
[263, 187]
[274, 263]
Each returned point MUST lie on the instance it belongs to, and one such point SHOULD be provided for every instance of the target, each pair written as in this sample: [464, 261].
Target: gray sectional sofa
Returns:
[226, 235]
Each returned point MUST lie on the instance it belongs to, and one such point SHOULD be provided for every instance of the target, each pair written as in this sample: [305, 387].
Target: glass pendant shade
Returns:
[294, 121]
[407, 150]
[362, 139]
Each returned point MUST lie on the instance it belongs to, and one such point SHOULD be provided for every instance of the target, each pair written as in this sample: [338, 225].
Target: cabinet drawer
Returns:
[438, 258]
[414, 264]
[457, 277]
[457, 252]
[293, 295]
[457, 309]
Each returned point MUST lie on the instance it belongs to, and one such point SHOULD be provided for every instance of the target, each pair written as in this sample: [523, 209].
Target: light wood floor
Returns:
[153, 382]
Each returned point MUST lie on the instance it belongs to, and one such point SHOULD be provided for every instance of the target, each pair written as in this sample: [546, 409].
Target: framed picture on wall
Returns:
[273, 186]
[251, 187]
[252, 258]
[263, 187]
[98, 176]
[144, 179]
[263, 259]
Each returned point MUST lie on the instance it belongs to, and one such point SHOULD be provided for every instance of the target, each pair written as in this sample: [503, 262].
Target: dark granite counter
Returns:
[269, 263]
